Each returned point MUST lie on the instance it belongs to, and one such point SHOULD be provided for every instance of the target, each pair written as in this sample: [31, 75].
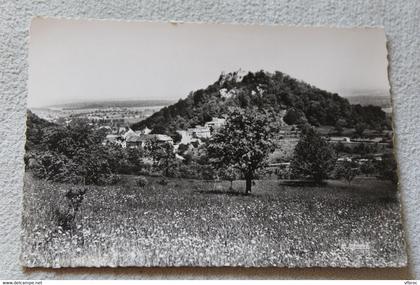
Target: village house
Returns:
[132, 139]
[199, 132]
[186, 137]
[344, 159]
[128, 134]
[121, 130]
[162, 138]
[339, 139]
[144, 131]
[107, 129]
[215, 123]
[114, 139]
[135, 141]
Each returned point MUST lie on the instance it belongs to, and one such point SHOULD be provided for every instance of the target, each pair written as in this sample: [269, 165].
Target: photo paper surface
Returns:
[162, 144]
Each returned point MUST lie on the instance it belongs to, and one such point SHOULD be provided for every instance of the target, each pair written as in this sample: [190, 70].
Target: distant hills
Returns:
[272, 91]
[113, 103]
[376, 100]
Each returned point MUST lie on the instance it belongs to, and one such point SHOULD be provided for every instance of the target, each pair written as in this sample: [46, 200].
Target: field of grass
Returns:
[198, 223]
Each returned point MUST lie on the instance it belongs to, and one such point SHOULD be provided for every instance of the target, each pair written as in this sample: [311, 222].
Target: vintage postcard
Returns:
[162, 144]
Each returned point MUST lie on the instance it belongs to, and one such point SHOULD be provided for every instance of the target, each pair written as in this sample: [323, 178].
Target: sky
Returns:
[89, 60]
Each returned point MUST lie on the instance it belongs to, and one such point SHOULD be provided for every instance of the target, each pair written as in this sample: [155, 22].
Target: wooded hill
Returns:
[34, 130]
[276, 91]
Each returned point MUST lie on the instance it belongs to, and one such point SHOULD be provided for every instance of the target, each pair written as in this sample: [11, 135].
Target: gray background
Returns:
[401, 20]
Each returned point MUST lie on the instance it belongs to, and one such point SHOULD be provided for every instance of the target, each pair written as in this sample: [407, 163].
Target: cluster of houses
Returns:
[135, 139]
[198, 133]
[127, 138]
[138, 139]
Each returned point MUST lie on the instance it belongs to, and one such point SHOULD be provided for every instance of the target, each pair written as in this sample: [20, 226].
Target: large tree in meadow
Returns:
[313, 157]
[244, 142]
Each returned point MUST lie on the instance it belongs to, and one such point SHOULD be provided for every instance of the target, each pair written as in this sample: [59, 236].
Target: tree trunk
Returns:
[167, 168]
[248, 185]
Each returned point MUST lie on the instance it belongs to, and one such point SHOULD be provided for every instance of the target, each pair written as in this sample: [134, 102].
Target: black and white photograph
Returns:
[160, 144]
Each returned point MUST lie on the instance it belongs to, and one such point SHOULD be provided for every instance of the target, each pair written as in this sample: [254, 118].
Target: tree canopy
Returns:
[313, 157]
[162, 153]
[244, 142]
[73, 153]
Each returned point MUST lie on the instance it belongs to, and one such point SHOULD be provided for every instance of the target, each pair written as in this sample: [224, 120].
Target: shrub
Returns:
[387, 168]
[294, 116]
[174, 172]
[75, 196]
[110, 179]
[65, 216]
[283, 173]
[360, 129]
[66, 211]
[141, 182]
[163, 182]
[187, 171]
[347, 170]
[55, 167]
[207, 172]
[146, 170]
[368, 168]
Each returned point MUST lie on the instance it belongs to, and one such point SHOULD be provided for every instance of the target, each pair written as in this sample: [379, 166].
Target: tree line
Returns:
[240, 150]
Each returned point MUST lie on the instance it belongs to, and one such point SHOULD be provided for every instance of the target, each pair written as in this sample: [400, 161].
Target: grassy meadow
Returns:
[199, 223]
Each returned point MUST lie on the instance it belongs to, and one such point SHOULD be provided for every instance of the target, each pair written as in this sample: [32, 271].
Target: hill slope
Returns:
[263, 90]
[34, 127]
